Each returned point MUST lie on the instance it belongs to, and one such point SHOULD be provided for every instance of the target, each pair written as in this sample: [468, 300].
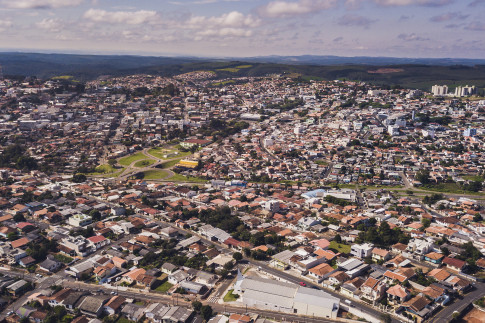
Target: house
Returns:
[50, 265]
[337, 278]
[239, 318]
[93, 305]
[146, 280]
[133, 312]
[439, 274]
[193, 287]
[18, 288]
[454, 264]
[178, 276]
[320, 271]
[361, 251]
[351, 288]
[380, 254]
[373, 289]
[397, 294]
[98, 242]
[131, 276]
[114, 305]
[418, 306]
[169, 268]
[433, 257]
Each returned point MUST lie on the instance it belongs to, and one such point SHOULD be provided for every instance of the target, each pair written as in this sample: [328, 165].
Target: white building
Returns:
[361, 251]
[439, 90]
[285, 297]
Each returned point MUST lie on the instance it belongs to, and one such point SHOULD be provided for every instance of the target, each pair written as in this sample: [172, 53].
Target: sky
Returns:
[244, 28]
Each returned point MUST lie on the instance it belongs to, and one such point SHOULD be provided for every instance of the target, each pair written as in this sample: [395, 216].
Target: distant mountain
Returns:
[358, 60]
[386, 71]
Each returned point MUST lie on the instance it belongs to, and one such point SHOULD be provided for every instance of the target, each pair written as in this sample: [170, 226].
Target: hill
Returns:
[86, 67]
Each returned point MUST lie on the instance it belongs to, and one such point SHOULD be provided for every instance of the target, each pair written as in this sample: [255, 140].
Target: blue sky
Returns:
[238, 28]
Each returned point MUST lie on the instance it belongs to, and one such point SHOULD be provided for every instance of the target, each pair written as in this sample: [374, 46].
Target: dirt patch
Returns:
[386, 71]
[474, 316]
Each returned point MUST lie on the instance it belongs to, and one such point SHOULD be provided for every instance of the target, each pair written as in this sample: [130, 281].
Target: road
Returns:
[459, 305]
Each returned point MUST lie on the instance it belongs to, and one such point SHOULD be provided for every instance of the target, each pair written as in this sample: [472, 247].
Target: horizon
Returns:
[247, 28]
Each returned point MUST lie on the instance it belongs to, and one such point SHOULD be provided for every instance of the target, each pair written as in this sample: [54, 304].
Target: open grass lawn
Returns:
[182, 178]
[155, 174]
[163, 288]
[164, 153]
[144, 163]
[107, 171]
[124, 320]
[340, 247]
[63, 258]
[170, 163]
[126, 161]
[230, 297]
[228, 69]
[452, 188]
[224, 82]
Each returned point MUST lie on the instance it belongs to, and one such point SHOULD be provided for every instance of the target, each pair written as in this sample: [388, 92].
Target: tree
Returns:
[425, 222]
[338, 238]
[423, 176]
[386, 318]
[95, 215]
[206, 312]
[196, 305]
[79, 178]
[237, 256]
[112, 162]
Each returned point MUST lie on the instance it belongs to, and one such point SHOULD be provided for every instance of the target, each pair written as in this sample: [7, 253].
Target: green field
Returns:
[182, 178]
[244, 66]
[171, 153]
[107, 171]
[452, 188]
[155, 174]
[340, 247]
[229, 69]
[144, 162]
[126, 161]
[163, 288]
[170, 164]
[224, 83]
[230, 297]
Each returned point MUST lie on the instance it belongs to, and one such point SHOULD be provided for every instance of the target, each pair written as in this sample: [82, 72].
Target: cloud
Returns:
[338, 39]
[476, 26]
[430, 3]
[121, 17]
[39, 4]
[449, 16]
[225, 32]
[51, 24]
[280, 9]
[411, 37]
[232, 19]
[476, 3]
[355, 20]
[5, 24]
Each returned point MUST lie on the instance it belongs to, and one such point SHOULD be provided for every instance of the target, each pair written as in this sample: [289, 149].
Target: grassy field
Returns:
[107, 171]
[155, 174]
[230, 297]
[452, 188]
[171, 153]
[126, 161]
[340, 247]
[229, 69]
[163, 288]
[182, 178]
[224, 83]
[170, 164]
[244, 66]
[144, 163]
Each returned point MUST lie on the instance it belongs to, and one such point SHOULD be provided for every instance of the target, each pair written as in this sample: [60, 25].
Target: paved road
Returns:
[459, 305]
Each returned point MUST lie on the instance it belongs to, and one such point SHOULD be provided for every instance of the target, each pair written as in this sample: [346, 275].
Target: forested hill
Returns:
[86, 67]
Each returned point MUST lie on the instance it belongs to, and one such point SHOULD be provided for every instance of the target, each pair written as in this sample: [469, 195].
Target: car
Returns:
[9, 313]
[302, 284]
[114, 293]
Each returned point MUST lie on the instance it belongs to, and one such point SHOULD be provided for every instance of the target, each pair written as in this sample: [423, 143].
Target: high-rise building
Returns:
[439, 90]
[465, 90]
[470, 132]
